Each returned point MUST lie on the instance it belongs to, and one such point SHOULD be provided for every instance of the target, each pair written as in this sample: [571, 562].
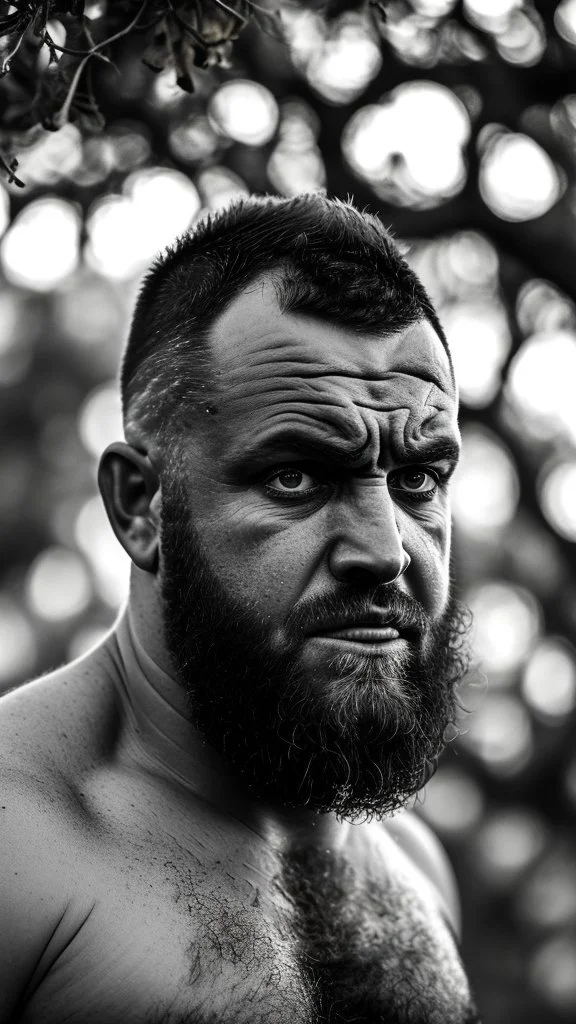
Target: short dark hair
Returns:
[327, 259]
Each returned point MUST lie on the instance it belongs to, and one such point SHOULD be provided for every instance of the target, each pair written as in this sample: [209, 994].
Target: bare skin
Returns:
[139, 880]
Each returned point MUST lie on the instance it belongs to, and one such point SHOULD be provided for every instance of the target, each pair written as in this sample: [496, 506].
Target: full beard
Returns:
[359, 738]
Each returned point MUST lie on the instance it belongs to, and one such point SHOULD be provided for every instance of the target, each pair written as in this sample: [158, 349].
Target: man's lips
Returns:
[368, 626]
[362, 634]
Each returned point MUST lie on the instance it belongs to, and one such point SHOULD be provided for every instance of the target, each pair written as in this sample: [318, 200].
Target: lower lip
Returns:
[373, 641]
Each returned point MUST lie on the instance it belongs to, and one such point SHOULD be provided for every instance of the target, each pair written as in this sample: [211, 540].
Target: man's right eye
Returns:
[291, 481]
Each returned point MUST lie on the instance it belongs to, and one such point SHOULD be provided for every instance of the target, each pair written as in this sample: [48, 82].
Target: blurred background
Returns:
[456, 122]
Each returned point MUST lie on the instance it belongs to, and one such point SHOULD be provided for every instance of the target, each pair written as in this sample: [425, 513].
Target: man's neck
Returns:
[158, 722]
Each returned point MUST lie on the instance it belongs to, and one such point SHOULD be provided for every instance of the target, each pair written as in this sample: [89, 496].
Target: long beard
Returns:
[358, 741]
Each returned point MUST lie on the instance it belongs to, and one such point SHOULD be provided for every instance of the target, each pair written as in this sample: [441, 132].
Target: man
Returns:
[198, 815]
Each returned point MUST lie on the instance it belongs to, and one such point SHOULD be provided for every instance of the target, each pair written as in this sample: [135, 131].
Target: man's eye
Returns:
[415, 481]
[294, 481]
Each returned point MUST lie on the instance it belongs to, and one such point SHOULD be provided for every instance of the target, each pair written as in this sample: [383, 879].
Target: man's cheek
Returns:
[435, 584]
[266, 577]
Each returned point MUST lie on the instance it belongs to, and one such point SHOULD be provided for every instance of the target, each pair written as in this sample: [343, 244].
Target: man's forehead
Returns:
[253, 338]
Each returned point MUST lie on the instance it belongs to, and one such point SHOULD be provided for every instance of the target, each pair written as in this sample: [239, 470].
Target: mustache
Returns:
[387, 602]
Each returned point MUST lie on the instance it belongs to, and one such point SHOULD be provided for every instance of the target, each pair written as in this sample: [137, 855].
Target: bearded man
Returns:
[199, 815]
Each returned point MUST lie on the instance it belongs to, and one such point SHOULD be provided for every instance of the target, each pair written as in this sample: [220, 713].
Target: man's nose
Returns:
[368, 546]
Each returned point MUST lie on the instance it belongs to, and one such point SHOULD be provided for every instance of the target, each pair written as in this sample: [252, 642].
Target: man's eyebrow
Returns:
[432, 450]
[428, 450]
[296, 442]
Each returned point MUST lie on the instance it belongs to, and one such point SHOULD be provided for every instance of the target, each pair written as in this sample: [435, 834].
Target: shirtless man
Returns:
[198, 818]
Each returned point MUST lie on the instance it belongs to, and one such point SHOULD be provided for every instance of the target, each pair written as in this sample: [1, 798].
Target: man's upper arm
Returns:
[423, 848]
[32, 885]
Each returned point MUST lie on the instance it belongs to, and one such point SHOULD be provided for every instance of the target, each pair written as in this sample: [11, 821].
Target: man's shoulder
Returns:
[39, 819]
[52, 732]
[50, 725]
[43, 748]
[424, 850]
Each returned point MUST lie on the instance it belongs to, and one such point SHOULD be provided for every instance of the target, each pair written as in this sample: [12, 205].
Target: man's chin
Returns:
[349, 681]
[335, 781]
[353, 746]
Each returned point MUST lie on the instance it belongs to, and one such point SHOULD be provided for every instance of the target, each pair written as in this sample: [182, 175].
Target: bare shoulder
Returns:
[51, 732]
[42, 744]
[58, 721]
[422, 847]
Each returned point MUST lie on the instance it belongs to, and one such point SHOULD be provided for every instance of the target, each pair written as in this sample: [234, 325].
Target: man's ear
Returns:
[128, 483]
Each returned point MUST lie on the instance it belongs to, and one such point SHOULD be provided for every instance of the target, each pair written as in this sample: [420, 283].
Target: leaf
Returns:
[269, 22]
[89, 120]
[10, 169]
[159, 53]
[185, 59]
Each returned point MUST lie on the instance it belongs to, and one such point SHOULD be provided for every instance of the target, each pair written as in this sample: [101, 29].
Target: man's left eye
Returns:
[287, 481]
[415, 481]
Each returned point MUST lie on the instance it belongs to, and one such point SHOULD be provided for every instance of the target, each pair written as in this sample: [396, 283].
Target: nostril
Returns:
[362, 568]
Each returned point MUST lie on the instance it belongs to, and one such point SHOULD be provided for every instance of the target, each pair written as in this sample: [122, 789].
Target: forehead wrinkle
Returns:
[336, 416]
[434, 421]
[297, 356]
[294, 426]
[311, 369]
[370, 392]
[369, 440]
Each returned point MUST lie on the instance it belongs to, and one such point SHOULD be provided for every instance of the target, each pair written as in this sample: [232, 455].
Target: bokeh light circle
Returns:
[472, 261]
[433, 8]
[553, 972]
[518, 180]
[507, 622]
[492, 15]
[244, 111]
[523, 40]
[126, 231]
[557, 488]
[541, 308]
[109, 562]
[58, 585]
[409, 146]
[100, 419]
[4, 209]
[296, 164]
[500, 734]
[219, 186]
[549, 680]
[565, 20]
[479, 339]
[540, 384]
[342, 68]
[548, 897]
[18, 647]
[452, 801]
[41, 248]
[508, 842]
[485, 488]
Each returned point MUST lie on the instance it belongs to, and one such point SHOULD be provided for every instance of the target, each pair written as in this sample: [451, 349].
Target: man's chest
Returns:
[187, 941]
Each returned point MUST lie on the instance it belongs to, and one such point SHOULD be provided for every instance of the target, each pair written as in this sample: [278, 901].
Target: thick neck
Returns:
[163, 739]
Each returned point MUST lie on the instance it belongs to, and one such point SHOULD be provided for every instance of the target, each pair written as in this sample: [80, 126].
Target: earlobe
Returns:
[128, 483]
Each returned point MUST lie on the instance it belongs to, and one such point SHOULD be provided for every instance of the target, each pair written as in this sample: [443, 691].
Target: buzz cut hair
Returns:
[325, 257]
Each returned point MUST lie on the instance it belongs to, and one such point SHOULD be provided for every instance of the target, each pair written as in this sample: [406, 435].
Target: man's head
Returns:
[326, 259]
[294, 391]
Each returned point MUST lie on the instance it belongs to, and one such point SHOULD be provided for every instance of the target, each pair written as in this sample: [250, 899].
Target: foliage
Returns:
[48, 49]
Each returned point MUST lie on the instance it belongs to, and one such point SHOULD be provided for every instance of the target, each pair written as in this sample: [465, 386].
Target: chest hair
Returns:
[374, 950]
